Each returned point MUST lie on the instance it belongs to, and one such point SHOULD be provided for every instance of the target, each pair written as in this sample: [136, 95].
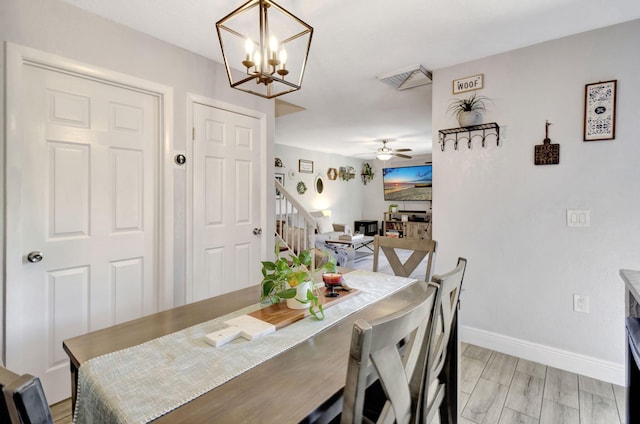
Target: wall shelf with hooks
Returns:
[469, 134]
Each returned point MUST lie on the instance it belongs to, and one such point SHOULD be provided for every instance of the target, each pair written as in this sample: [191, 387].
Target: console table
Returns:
[416, 226]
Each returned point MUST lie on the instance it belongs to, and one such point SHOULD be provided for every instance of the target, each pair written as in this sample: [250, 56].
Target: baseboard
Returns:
[610, 372]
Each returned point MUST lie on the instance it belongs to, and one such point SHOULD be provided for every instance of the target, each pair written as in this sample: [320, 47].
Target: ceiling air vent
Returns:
[410, 77]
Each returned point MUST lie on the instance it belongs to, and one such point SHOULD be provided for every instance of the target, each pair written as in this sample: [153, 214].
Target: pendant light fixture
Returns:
[265, 48]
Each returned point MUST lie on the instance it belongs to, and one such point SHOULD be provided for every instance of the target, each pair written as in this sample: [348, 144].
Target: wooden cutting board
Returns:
[281, 316]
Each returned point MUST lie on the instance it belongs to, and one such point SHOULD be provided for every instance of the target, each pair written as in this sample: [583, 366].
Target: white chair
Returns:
[389, 348]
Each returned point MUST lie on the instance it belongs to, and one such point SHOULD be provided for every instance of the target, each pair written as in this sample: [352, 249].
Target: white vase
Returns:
[301, 294]
[467, 119]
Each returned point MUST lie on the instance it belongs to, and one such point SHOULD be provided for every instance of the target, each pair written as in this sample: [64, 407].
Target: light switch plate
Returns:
[578, 218]
[581, 303]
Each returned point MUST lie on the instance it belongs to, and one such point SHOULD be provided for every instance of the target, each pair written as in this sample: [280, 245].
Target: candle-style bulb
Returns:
[283, 56]
[248, 46]
[273, 45]
[258, 61]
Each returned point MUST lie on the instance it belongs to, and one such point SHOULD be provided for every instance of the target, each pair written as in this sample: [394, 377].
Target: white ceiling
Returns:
[348, 111]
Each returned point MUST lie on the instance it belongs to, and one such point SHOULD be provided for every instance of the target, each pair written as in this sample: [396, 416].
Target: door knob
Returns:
[257, 231]
[34, 256]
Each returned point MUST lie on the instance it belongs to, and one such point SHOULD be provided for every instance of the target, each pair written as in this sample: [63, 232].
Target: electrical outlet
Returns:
[581, 303]
[578, 218]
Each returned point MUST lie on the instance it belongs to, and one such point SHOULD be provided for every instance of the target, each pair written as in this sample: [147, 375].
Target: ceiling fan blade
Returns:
[401, 150]
[400, 155]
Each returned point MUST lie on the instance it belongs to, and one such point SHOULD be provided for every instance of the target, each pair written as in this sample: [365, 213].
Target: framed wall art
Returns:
[305, 166]
[600, 111]
[280, 178]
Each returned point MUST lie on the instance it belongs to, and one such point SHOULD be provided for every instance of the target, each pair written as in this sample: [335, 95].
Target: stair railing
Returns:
[295, 227]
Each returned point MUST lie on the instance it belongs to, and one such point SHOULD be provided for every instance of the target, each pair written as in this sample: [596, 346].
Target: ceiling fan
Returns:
[386, 153]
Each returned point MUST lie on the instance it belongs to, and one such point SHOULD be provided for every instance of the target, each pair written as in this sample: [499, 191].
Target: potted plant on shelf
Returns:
[291, 278]
[469, 111]
[367, 173]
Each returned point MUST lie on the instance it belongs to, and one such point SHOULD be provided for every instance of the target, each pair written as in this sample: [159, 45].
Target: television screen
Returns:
[408, 183]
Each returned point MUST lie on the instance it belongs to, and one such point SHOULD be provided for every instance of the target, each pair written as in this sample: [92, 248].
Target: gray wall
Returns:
[69, 32]
[508, 216]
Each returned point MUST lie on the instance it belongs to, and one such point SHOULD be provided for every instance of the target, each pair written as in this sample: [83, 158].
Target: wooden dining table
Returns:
[293, 386]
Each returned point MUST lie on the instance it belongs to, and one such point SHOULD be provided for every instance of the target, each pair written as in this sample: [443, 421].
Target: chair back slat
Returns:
[421, 248]
[449, 286]
[389, 347]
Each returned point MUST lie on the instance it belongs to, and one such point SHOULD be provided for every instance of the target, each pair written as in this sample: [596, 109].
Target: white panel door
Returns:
[88, 186]
[226, 202]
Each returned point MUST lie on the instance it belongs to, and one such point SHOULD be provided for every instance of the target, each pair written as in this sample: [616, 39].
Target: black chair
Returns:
[6, 377]
[26, 402]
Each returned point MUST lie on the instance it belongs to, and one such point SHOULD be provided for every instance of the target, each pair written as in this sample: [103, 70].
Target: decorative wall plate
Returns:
[292, 173]
[332, 173]
[301, 187]
[319, 184]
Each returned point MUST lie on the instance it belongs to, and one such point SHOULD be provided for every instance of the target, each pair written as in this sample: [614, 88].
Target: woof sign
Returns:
[474, 82]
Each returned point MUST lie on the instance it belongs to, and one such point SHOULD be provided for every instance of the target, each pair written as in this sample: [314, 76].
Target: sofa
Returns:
[293, 233]
[325, 231]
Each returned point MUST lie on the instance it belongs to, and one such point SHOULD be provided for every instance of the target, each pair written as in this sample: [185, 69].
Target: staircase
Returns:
[295, 226]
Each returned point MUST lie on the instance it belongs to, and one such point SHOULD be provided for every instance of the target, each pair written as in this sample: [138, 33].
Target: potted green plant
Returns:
[367, 173]
[291, 278]
[469, 111]
[393, 208]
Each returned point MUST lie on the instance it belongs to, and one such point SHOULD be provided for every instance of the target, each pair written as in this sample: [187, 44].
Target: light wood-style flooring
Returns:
[502, 389]
[61, 412]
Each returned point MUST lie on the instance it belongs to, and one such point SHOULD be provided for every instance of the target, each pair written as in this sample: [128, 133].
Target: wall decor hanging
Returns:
[367, 173]
[546, 153]
[332, 173]
[475, 82]
[280, 179]
[305, 166]
[600, 111]
[279, 163]
[301, 187]
[347, 173]
[319, 184]
[480, 132]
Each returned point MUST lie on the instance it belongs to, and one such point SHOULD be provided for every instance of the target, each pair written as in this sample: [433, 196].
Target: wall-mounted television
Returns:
[408, 183]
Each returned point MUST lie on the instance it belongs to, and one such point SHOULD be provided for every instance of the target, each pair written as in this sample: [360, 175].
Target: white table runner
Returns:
[144, 382]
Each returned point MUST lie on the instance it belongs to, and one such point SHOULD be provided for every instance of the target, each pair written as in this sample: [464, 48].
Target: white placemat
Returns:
[144, 382]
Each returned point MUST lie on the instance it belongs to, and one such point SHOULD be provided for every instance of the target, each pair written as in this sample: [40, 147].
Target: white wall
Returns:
[508, 217]
[374, 204]
[343, 198]
[349, 201]
[67, 31]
